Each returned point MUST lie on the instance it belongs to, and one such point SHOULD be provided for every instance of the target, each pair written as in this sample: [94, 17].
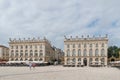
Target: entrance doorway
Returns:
[85, 62]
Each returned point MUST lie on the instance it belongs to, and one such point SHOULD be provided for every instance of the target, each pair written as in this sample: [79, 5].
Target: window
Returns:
[26, 46]
[102, 44]
[73, 45]
[79, 45]
[96, 61]
[36, 53]
[96, 44]
[26, 53]
[90, 52]
[68, 52]
[90, 45]
[30, 59]
[79, 52]
[21, 47]
[16, 47]
[11, 47]
[30, 46]
[16, 59]
[85, 45]
[41, 46]
[85, 52]
[16, 53]
[12, 59]
[96, 52]
[79, 61]
[35, 46]
[31, 53]
[102, 52]
[68, 46]
[21, 53]
[68, 61]
[35, 59]
[21, 59]
[40, 59]
[73, 52]
[73, 60]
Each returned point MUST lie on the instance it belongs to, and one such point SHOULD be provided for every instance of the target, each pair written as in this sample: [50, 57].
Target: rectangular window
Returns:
[41, 46]
[79, 45]
[73, 45]
[68, 46]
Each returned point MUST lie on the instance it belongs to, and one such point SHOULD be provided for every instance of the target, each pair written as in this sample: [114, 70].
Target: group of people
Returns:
[32, 65]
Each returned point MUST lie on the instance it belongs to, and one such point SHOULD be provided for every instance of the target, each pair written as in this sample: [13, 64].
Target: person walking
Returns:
[33, 65]
[30, 65]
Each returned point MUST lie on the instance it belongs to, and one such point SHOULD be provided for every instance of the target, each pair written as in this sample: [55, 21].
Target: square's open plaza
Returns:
[59, 73]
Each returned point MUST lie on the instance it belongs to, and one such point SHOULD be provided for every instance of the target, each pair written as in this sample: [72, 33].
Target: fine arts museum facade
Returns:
[85, 51]
[37, 50]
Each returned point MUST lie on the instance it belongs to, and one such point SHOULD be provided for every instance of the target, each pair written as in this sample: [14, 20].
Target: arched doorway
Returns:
[112, 59]
[85, 61]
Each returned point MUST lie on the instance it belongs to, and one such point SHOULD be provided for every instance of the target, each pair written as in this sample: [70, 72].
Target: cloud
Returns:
[56, 18]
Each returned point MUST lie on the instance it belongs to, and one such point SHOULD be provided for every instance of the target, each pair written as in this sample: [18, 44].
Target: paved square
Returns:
[59, 73]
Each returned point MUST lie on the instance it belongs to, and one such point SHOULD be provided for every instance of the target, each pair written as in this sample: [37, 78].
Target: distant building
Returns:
[4, 53]
[58, 55]
[88, 51]
[38, 50]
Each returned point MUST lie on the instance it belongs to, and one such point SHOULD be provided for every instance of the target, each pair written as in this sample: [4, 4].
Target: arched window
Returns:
[102, 52]
[85, 52]
[26, 59]
[96, 61]
[79, 52]
[30, 59]
[40, 59]
[90, 60]
[12, 59]
[74, 60]
[68, 52]
[90, 52]
[73, 52]
[79, 61]
[96, 52]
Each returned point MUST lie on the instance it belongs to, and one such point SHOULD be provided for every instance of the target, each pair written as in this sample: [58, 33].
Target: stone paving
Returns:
[59, 73]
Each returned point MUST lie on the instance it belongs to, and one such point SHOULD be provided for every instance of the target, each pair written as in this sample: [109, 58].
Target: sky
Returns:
[56, 18]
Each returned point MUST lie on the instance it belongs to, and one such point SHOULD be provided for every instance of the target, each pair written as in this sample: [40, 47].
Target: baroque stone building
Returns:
[85, 51]
[37, 50]
[4, 53]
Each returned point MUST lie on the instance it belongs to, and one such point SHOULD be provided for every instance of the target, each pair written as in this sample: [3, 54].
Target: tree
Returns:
[113, 51]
